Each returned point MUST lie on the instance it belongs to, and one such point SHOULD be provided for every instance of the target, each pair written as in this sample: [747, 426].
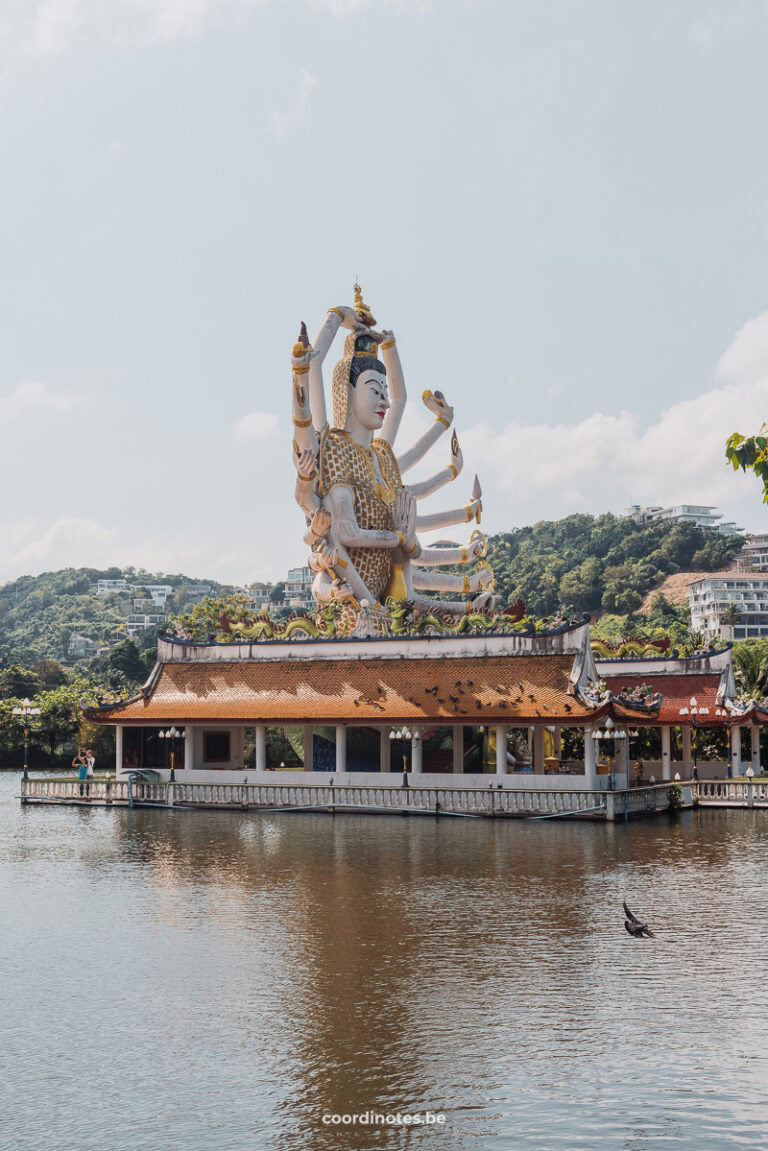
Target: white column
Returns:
[538, 749]
[666, 752]
[118, 749]
[558, 740]
[416, 752]
[341, 748]
[531, 731]
[384, 749]
[755, 733]
[458, 748]
[261, 746]
[501, 750]
[590, 763]
[308, 748]
[735, 751]
[686, 751]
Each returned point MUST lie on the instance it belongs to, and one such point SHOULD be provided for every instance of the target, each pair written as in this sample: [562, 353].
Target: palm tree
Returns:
[750, 667]
[730, 616]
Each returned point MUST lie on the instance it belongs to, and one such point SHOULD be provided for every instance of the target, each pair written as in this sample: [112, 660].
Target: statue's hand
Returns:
[484, 602]
[303, 360]
[321, 523]
[351, 319]
[438, 405]
[326, 557]
[306, 468]
[457, 456]
[386, 336]
[404, 516]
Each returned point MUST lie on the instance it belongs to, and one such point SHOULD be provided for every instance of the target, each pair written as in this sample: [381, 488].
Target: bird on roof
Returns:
[635, 928]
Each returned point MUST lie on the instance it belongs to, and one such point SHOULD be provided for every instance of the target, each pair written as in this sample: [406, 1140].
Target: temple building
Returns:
[447, 709]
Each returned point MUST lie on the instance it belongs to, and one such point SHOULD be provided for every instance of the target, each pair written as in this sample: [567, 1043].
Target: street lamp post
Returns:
[405, 735]
[25, 711]
[173, 734]
[694, 711]
[613, 735]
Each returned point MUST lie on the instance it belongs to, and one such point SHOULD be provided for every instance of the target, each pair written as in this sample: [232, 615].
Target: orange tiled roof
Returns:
[676, 690]
[504, 689]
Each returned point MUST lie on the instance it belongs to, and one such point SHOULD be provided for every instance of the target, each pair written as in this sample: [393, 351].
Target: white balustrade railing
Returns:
[490, 801]
[733, 793]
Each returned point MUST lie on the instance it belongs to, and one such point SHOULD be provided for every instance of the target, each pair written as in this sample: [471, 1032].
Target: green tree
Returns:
[125, 659]
[277, 595]
[750, 667]
[750, 453]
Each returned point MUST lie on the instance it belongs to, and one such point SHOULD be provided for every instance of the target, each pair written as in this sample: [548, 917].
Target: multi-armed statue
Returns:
[362, 520]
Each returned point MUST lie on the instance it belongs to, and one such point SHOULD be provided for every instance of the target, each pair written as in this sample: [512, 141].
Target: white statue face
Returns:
[369, 399]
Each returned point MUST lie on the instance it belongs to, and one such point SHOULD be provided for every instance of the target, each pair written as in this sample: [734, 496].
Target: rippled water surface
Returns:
[215, 980]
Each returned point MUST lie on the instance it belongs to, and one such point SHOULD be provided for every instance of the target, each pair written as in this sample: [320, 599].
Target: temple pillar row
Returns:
[384, 742]
[735, 751]
[261, 747]
[501, 750]
[666, 752]
[458, 749]
[590, 759]
[416, 752]
[687, 750]
[341, 747]
[309, 747]
[538, 749]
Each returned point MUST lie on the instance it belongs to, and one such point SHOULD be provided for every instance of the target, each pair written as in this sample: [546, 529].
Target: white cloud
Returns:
[607, 461]
[53, 25]
[36, 397]
[746, 359]
[255, 426]
[280, 123]
[28, 548]
[43, 28]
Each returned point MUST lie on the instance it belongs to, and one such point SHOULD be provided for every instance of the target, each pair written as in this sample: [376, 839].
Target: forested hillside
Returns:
[39, 613]
[605, 563]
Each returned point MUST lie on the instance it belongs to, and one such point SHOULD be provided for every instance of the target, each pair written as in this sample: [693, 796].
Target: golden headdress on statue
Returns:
[359, 343]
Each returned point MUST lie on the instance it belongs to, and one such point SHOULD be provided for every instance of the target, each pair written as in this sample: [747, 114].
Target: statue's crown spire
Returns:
[361, 308]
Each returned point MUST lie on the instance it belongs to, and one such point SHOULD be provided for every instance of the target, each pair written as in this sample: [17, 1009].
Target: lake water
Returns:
[211, 980]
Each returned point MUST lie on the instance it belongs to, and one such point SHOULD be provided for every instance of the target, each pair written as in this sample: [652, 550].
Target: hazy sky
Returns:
[561, 209]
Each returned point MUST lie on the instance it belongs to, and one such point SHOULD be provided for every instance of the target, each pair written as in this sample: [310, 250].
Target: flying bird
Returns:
[635, 927]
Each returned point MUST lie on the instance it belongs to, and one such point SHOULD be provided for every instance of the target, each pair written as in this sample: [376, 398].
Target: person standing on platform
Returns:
[81, 763]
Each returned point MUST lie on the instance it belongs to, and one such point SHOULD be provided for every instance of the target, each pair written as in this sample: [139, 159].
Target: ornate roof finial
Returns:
[361, 308]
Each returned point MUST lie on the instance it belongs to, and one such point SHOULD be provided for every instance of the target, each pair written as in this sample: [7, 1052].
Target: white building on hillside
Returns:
[298, 588]
[259, 594]
[713, 597]
[106, 587]
[701, 515]
[754, 555]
